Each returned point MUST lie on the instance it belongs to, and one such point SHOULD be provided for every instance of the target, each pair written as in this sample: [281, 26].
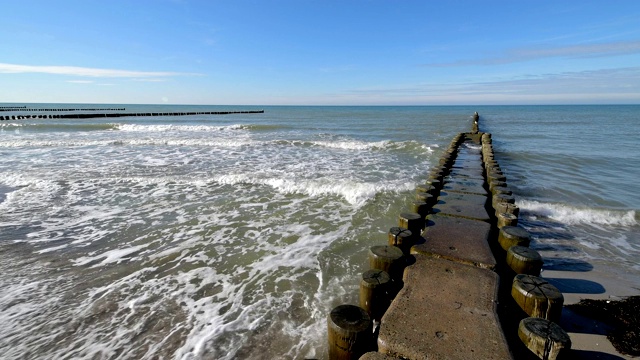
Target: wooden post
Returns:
[441, 168]
[524, 260]
[421, 207]
[502, 198]
[506, 219]
[400, 237]
[544, 338]
[432, 181]
[447, 159]
[490, 163]
[492, 177]
[423, 195]
[387, 258]
[374, 292]
[512, 235]
[349, 332]
[507, 208]
[437, 173]
[501, 190]
[496, 184]
[537, 297]
[475, 128]
[412, 221]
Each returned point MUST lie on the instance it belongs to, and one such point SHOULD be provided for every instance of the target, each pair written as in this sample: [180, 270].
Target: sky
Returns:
[307, 52]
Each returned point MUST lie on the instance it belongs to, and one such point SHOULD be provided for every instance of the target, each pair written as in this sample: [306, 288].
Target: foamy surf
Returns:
[355, 192]
[178, 128]
[573, 215]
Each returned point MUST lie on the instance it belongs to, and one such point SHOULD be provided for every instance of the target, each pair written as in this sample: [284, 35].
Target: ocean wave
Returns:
[379, 145]
[356, 193]
[231, 143]
[182, 128]
[225, 142]
[356, 145]
[57, 127]
[573, 215]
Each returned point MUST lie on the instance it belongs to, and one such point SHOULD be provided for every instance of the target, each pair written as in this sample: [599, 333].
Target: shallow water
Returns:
[232, 236]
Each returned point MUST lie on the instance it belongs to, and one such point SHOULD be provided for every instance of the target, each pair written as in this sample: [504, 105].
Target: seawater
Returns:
[233, 236]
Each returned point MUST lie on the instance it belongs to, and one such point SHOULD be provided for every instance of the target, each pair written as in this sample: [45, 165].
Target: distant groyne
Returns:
[116, 114]
[24, 108]
[456, 279]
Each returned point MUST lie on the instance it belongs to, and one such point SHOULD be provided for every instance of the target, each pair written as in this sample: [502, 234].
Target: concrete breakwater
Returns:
[456, 279]
[115, 115]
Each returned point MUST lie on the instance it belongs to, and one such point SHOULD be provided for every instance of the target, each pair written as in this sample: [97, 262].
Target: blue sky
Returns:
[299, 52]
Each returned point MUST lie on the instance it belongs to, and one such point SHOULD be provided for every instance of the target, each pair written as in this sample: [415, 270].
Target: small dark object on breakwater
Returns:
[623, 315]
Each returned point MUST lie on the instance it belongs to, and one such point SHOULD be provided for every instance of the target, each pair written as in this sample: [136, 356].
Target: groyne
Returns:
[24, 108]
[115, 114]
[456, 279]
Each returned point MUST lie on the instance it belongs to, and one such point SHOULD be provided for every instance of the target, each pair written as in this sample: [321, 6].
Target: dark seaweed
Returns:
[623, 316]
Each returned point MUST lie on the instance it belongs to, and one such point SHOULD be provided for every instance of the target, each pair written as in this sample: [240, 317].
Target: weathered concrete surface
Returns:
[446, 310]
[377, 356]
[465, 185]
[457, 239]
[469, 206]
[474, 173]
[466, 161]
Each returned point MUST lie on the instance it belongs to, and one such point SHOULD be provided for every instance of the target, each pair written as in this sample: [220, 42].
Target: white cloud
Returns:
[80, 81]
[86, 72]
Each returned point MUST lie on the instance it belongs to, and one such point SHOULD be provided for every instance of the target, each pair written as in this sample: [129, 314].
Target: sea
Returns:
[233, 236]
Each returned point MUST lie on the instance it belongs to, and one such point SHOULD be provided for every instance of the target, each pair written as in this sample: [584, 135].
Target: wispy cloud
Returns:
[571, 51]
[80, 81]
[87, 72]
[607, 84]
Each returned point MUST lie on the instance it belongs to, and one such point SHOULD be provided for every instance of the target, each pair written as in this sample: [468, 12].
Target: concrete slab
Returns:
[473, 138]
[474, 173]
[465, 185]
[470, 206]
[457, 239]
[465, 155]
[446, 310]
[468, 165]
[377, 356]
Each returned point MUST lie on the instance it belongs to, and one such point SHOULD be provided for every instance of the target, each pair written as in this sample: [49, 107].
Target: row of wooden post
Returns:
[540, 300]
[350, 327]
[110, 115]
[24, 108]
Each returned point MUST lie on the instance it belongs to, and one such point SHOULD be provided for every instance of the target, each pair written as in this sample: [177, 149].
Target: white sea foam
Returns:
[71, 142]
[573, 215]
[355, 192]
[377, 145]
[108, 257]
[183, 128]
